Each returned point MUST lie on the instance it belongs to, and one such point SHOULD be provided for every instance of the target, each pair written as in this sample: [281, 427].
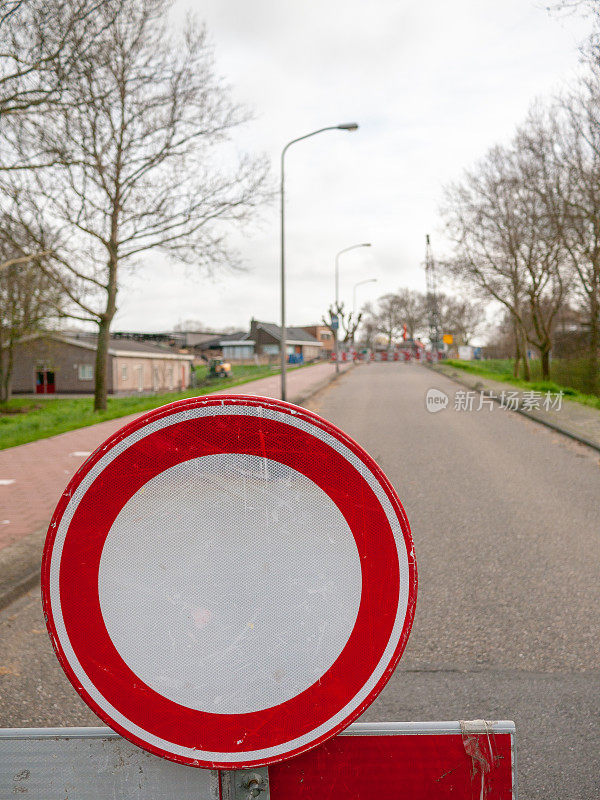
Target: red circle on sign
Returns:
[203, 427]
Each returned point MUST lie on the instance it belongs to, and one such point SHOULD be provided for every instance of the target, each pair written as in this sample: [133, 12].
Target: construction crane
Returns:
[433, 311]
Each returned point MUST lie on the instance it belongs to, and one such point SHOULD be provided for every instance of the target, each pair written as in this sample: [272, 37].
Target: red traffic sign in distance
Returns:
[229, 581]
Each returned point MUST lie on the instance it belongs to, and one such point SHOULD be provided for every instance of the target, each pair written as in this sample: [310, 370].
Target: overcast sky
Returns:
[432, 85]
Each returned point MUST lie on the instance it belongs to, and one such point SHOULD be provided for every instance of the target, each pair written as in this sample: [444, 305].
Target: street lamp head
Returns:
[348, 126]
[366, 280]
[366, 244]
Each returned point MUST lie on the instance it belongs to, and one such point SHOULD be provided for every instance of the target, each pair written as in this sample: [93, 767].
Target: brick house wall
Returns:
[62, 358]
[322, 334]
[260, 337]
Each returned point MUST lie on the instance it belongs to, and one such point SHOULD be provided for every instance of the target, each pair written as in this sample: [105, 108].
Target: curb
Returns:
[546, 423]
[301, 398]
[20, 563]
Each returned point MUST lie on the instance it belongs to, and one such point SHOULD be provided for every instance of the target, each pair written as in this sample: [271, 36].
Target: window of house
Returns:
[85, 372]
[124, 373]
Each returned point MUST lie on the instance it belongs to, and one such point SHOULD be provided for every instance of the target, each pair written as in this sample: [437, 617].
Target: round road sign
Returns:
[229, 581]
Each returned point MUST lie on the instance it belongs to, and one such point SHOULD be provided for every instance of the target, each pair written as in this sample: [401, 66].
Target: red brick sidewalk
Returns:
[32, 476]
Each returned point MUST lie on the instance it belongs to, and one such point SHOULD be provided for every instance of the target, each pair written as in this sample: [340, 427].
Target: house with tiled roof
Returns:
[300, 345]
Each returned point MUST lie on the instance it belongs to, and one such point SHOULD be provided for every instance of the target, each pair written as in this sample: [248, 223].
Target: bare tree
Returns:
[41, 42]
[506, 244]
[412, 307]
[590, 49]
[587, 6]
[28, 299]
[138, 162]
[460, 317]
[350, 325]
[369, 327]
[579, 165]
[409, 307]
[564, 142]
[387, 316]
[346, 323]
[485, 248]
[192, 325]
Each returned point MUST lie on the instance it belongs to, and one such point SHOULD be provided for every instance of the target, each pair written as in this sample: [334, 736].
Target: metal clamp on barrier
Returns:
[245, 784]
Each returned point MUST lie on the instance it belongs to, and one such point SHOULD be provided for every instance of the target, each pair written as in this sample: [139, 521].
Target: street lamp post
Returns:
[337, 296]
[346, 126]
[360, 283]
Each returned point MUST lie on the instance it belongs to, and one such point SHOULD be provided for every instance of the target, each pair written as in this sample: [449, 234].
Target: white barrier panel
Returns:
[92, 764]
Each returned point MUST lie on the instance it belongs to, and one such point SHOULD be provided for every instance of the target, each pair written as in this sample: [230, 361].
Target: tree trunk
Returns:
[545, 353]
[592, 366]
[521, 352]
[526, 370]
[517, 353]
[9, 371]
[104, 323]
[101, 371]
[2, 368]
[4, 388]
[7, 358]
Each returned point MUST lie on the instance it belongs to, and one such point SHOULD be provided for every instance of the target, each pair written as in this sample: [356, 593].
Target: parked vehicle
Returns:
[219, 368]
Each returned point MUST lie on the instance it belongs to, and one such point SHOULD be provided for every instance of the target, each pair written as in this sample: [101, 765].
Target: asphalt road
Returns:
[505, 521]
[506, 524]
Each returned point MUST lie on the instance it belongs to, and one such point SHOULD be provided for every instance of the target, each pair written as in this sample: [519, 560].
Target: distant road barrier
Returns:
[395, 355]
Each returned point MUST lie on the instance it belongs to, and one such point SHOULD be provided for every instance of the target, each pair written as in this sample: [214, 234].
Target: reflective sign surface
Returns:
[229, 581]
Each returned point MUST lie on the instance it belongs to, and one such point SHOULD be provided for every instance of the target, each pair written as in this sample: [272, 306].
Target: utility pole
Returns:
[433, 311]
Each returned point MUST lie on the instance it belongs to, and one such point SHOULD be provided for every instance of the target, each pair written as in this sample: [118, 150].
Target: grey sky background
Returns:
[432, 85]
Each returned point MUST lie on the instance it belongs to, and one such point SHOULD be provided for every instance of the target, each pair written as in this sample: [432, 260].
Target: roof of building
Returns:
[237, 338]
[117, 343]
[292, 335]
[117, 346]
[214, 342]
[196, 338]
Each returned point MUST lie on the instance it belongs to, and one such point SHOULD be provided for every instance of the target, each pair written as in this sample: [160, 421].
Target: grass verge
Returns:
[500, 370]
[27, 419]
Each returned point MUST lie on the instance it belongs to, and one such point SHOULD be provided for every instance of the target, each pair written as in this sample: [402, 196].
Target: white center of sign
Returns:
[230, 583]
